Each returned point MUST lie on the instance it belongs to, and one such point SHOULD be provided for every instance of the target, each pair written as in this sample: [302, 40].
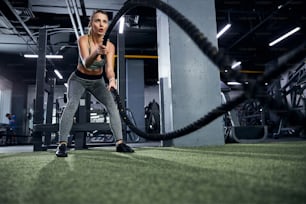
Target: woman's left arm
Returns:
[109, 67]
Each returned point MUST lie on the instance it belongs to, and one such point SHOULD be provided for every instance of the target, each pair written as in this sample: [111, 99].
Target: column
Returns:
[190, 85]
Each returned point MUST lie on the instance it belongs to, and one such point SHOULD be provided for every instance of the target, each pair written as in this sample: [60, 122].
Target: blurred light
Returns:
[223, 30]
[54, 56]
[121, 25]
[284, 36]
[233, 83]
[47, 56]
[236, 64]
[58, 74]
[30, 56]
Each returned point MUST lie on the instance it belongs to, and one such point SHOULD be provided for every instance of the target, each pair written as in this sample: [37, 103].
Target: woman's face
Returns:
[99, 23]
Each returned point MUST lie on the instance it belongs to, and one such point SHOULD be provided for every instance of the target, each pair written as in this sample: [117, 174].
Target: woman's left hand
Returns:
[112, 84]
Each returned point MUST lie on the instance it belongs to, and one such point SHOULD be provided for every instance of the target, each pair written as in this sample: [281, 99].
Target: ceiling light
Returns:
[121, 24]
[47, 56]
[30, 56]
[284, 36]
[58, 74]
[223, 30]
[54, 56]
[236, 64]
[233, 83]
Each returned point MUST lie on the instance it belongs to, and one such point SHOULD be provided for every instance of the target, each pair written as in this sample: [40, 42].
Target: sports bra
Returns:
[96, 64]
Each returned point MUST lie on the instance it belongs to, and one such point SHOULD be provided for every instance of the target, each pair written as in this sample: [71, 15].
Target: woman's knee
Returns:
[72, 105]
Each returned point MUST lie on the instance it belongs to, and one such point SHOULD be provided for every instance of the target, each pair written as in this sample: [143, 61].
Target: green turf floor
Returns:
[234, 173]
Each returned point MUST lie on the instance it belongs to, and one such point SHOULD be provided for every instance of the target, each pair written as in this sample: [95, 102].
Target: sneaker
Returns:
[124, 148]
[61, 150]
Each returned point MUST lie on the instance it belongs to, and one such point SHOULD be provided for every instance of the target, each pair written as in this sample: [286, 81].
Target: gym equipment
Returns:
[250, 113]
[107, 137]
[152, 117]
[249, 134]
[8, 137]
[248, 125]
[290, 89]
[79, 130]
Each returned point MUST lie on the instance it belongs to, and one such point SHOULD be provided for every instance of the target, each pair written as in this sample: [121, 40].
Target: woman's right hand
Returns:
[102, 49]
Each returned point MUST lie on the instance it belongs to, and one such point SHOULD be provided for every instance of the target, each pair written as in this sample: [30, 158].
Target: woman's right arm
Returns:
[87, 59]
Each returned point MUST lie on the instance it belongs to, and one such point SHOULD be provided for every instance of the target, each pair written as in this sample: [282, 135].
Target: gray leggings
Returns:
[97, 87]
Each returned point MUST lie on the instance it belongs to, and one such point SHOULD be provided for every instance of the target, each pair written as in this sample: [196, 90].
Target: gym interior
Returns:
[211, 96]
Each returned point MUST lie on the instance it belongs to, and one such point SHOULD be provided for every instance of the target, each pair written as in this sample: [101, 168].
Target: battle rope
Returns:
[251, 90]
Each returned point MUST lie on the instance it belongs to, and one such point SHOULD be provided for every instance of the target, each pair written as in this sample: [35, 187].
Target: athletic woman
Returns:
[88, 77]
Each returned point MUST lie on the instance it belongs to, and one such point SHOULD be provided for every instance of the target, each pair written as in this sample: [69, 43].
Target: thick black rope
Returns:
[252, 90]
[293, 116]
[212, 115]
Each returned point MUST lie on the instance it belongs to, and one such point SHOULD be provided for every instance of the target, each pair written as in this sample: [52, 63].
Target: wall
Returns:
[6, 87]
[135, 90]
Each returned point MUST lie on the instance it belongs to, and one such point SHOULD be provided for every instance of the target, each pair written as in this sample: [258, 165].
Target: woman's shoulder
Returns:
[83, 38]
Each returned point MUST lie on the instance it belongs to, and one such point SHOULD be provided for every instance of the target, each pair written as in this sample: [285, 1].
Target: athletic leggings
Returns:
[78, 83]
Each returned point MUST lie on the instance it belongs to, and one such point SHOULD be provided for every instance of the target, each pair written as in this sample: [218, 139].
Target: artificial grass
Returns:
[233, 173]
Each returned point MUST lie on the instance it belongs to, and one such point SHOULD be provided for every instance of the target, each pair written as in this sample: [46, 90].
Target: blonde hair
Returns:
[92, 16]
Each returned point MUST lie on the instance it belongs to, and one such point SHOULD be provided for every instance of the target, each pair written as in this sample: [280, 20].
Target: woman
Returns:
[88, 77]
